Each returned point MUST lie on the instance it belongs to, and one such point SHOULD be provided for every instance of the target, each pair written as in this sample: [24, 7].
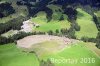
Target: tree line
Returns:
[14, 24]
[94, 40]
[15, 37]
[96, 22]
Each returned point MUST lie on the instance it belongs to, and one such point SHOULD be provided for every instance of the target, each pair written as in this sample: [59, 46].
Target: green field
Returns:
[84, 20]
[93, 48]
[47, 47]
[10, 55]
[53, 24]
[88, 27]
[77, 51]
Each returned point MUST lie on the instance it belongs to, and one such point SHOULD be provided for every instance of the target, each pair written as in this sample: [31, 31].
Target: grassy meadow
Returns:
[84, 20]
[10, 55]
[53, 24]
[88, 27]
[77, 51]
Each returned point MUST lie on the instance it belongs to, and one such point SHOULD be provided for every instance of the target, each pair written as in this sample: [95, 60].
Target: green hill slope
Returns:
[10, 55]
[54, 23]
[88, 27]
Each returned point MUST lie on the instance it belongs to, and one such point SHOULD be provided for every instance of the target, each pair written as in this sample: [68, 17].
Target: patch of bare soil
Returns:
[30, 41]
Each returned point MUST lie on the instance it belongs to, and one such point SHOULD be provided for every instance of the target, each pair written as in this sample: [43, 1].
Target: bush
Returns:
[4, 40]
[57, 31]
[69, 33]
[40, 33]
[50, 32]
[64, 31]
[61, 18]
[98, 40]
[86, 39]
[71, 12]
[76, 27]
[46, 63]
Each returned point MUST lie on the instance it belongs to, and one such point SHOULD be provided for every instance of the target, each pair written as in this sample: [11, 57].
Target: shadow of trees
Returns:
[6, 9]
[35, 7]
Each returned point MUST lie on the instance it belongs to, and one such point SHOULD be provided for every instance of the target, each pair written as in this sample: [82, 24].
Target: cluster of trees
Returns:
[4, 40]
[35, 7]
[71, 12]
[98, 40]
[50, 32]
[96, 22]
[56, 33]
[69, 32]
[46, 63]
[14, 24]
[34, 11]
[75, 26]
[15, 37]
[92, 3]
[6, 9]
[61, 18]
[86, 39]
[64, 31]
[94, 40]
[10, 7]
[10, 39]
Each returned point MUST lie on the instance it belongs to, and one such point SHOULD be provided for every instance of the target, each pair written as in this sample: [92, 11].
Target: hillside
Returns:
[88, 27]
[49, 33]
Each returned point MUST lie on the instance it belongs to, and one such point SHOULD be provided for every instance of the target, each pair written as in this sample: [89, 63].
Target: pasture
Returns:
[88, 27]
[53, 24]
[10, 55]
